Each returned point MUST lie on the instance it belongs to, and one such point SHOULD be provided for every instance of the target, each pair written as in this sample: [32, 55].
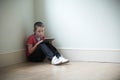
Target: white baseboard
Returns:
[9, 58]
[91, 55]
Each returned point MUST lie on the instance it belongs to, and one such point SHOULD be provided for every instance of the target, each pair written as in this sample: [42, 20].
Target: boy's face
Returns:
[39, 31]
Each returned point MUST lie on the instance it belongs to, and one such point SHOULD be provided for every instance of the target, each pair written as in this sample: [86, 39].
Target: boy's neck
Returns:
[37, 36]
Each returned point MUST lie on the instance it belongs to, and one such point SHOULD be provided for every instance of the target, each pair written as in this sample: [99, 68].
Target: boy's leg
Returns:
[53, 49]
[36, 56]
[64, 60]
[46, 50]
[54, 56]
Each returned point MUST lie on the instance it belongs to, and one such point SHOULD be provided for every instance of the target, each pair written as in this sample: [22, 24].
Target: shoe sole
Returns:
[58, 64]
[65, 62]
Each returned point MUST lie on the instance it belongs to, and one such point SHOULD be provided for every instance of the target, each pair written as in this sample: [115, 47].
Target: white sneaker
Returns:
[55, 61]
[63, 60]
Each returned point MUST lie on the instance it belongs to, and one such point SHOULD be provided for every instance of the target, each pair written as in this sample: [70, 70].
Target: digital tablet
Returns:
[48, 39]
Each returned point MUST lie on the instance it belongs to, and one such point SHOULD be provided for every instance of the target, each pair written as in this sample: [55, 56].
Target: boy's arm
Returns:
[31, 48]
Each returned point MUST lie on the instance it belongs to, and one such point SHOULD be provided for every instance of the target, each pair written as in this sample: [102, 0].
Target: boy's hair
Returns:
[38, 24]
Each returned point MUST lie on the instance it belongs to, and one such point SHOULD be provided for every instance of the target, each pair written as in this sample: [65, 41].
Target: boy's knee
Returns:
[39, 46]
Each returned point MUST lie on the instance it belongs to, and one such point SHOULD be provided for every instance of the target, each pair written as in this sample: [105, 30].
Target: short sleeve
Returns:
[30, 41]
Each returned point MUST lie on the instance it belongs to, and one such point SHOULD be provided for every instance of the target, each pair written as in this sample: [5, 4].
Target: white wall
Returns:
[81, 24]
[16, 22]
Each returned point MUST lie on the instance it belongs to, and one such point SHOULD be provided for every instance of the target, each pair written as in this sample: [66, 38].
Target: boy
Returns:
[37, 49]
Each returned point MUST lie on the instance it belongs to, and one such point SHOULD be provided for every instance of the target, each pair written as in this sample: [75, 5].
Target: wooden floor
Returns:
[69, 71]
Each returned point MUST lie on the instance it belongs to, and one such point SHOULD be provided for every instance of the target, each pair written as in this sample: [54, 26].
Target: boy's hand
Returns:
[50, 42]
[39, 42]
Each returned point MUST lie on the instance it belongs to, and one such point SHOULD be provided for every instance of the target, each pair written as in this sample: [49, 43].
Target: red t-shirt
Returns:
[30, 40]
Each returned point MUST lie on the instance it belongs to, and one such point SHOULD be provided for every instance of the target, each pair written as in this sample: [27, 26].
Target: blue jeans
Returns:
[49, 50]
[44, 50]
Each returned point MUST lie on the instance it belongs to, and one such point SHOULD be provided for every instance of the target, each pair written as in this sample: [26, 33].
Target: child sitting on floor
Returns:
[37, 49]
